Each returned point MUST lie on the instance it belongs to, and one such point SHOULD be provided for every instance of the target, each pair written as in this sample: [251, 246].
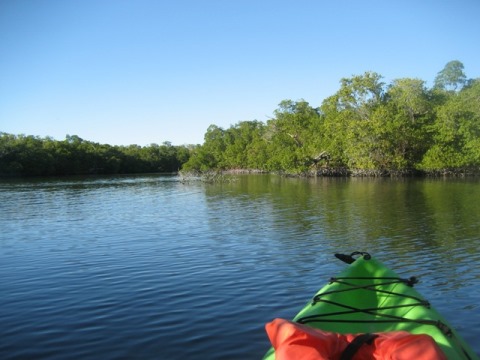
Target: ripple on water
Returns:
[146, 267]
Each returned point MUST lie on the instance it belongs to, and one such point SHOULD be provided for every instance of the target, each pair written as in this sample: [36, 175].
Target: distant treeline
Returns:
[22, 155]
[366, 128]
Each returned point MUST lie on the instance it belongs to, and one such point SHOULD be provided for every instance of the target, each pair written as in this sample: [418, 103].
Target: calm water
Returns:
[153, 268]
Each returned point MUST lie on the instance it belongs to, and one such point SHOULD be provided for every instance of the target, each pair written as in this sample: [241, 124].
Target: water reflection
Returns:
[394, 216]
[427, 228]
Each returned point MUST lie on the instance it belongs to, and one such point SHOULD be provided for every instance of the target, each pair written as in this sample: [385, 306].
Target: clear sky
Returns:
[126, 72]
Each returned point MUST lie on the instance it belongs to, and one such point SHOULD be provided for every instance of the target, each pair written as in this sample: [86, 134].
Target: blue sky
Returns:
[147, 71]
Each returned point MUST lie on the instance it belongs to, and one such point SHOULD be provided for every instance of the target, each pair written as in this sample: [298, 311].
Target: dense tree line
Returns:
[22, 155]
[366, 127]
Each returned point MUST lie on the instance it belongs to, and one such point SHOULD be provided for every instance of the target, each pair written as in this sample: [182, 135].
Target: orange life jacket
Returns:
[296, 341]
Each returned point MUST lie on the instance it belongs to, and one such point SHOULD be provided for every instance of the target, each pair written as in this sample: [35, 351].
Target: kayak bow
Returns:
[368, 297]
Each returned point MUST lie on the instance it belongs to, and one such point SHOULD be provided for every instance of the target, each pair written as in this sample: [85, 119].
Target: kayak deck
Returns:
[368, 297]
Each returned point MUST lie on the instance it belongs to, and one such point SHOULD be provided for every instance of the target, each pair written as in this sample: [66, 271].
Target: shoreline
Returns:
[344, 172]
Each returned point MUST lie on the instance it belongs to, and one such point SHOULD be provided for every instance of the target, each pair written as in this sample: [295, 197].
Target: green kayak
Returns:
[368, 297]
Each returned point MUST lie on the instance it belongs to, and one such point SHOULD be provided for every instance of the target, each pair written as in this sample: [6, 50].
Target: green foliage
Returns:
[289, 136]
[349, 123]
[451, 77]
[456, 133]
[34, 156]
[367, 126]
[242, 146]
